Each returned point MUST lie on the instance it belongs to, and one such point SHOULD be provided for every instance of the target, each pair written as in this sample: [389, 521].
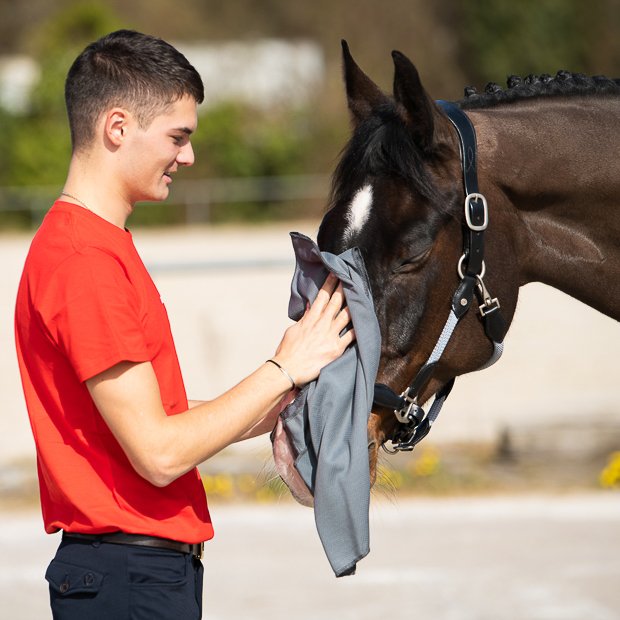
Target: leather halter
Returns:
[415, 424]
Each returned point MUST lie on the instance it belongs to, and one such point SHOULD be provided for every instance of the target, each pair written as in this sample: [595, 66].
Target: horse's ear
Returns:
[419, 107]
[363, 95]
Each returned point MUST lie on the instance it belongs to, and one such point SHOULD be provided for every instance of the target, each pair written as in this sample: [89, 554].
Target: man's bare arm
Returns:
[161, 448]
[266, 425]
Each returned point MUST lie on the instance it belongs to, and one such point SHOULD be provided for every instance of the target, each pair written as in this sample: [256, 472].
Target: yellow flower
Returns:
[390, 478]
[209, 483]
[224, 485]
[246, 483]
[610, 476]
[427, 463]
[265, 495]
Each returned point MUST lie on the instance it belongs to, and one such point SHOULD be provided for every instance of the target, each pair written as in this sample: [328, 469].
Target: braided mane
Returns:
[563, 84]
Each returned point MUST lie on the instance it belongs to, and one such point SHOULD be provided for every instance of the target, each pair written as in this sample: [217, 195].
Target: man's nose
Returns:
[186, 155]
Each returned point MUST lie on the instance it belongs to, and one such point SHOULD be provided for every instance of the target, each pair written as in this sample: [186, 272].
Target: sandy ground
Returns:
[483, 558]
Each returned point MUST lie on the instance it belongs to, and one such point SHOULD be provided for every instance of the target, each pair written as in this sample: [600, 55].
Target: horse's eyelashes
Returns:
[412, 262]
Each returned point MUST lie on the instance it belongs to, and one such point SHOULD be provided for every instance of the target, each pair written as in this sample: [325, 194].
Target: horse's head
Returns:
[398, 196]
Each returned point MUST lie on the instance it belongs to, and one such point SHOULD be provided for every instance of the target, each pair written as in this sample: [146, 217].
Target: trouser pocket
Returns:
[75, 591]
[69, 580]
[162, 585]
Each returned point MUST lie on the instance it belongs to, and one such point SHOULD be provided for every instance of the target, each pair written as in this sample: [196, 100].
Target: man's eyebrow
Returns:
[186, 130]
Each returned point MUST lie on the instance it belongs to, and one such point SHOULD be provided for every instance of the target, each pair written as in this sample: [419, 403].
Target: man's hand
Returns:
[315, 341]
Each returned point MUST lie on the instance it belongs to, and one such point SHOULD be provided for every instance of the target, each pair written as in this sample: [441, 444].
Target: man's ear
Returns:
[115, 125]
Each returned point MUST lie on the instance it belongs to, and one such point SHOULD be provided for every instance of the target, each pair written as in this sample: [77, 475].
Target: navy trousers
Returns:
[102, 581]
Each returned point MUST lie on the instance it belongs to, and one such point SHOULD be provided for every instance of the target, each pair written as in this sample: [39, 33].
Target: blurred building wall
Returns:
[264, 73]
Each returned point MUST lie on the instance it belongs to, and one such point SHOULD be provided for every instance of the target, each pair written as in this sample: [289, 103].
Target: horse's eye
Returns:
[411, 262]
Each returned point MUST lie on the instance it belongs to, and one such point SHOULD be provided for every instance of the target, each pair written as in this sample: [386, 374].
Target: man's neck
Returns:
[91, 185]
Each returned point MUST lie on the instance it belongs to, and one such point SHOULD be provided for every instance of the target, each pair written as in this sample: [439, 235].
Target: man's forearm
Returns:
[161, 448]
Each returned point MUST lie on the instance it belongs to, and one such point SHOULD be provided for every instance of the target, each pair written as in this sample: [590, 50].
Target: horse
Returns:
[546, 158]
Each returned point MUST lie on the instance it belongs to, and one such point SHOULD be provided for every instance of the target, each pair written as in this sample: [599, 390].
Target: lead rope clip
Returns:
[412, 414]
[489, 304]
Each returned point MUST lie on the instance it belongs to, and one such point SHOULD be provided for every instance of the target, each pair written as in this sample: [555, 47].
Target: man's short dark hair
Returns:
[134, 71]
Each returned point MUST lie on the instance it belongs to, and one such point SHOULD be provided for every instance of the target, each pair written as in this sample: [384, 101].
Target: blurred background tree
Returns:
[453, 43]
[40, 144]
[502, 37]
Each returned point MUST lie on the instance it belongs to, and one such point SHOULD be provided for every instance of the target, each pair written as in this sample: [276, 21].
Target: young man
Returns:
[117, 441]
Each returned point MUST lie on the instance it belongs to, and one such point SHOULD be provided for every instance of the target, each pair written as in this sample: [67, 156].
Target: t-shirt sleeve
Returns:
[92, 313]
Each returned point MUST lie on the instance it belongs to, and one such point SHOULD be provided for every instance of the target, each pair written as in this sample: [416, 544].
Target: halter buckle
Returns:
[485, 207]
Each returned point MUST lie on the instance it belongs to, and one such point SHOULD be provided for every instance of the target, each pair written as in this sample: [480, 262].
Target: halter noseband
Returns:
[415, 424]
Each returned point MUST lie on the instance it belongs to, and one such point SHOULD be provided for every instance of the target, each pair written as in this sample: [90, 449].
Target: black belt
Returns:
[140, 540]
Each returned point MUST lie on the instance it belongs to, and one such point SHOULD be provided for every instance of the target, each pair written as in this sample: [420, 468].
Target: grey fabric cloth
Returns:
[327, 421]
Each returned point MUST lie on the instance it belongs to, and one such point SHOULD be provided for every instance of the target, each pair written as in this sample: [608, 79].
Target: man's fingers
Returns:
[325, 294]
[328, 289]
[347, 339]
[343, 319]
[335, 303]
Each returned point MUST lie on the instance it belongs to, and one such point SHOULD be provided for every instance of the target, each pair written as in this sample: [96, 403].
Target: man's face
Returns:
[152, 155]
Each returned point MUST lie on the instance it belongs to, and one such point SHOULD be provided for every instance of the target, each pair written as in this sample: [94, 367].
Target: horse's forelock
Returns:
[380, 147]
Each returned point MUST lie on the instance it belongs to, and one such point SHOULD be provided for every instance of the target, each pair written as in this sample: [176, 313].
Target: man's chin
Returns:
[155, 196]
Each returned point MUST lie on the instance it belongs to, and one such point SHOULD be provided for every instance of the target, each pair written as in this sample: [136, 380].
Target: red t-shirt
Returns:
[85, 303]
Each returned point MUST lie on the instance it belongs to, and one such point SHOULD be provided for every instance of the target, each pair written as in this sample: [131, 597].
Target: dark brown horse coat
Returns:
[549, 166]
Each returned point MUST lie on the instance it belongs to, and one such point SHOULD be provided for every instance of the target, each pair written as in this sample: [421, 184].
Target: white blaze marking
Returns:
[359, 210]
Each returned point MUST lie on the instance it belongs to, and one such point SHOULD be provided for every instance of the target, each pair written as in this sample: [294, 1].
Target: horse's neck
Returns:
[555, 166]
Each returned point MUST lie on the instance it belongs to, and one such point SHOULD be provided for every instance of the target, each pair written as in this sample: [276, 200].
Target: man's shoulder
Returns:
[71, 235]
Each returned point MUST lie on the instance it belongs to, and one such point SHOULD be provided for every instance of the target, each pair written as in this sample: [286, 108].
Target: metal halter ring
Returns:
[460, 268]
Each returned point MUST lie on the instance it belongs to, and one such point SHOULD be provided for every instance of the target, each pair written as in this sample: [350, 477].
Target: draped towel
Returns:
[326, 423]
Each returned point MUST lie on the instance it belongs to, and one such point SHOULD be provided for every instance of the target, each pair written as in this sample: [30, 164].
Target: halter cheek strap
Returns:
[415, 424]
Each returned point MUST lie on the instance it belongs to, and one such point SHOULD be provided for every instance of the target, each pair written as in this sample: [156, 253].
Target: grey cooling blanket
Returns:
[326, 423]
